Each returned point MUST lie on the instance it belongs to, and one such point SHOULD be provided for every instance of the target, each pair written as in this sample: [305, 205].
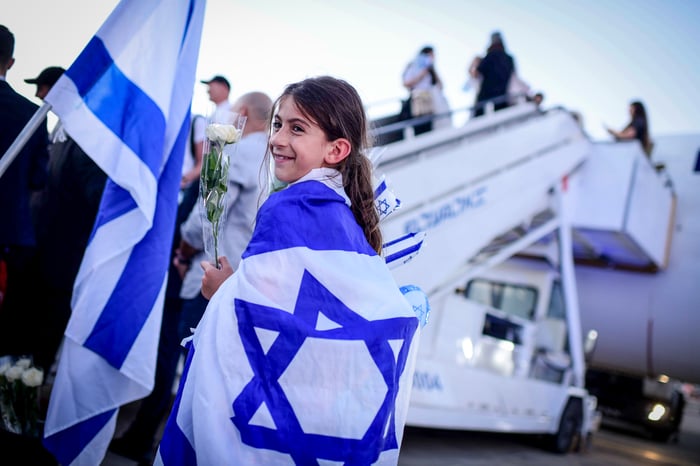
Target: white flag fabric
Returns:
[305, 355]
[126, 101]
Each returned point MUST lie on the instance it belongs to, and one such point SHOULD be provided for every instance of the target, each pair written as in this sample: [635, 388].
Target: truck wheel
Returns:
[569, 427]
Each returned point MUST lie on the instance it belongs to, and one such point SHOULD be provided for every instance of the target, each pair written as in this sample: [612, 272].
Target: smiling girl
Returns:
[318, 131]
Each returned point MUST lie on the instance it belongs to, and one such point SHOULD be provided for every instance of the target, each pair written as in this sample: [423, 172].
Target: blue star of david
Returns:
[293, 329]
[383, 206]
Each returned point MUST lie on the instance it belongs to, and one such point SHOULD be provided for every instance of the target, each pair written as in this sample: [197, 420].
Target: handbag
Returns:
[421, 102]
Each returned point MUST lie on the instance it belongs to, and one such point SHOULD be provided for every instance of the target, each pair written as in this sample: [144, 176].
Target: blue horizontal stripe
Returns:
[121, 105]
[137, 289]
[398, 240]
[380, 189]
[311, 215]
[90, 66]
[67, 444]
[403, 253]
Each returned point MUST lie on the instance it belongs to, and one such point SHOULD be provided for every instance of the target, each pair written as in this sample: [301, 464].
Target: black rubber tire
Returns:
[569, 430]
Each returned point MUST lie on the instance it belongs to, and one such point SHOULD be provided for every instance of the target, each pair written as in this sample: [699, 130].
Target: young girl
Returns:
[305, 354]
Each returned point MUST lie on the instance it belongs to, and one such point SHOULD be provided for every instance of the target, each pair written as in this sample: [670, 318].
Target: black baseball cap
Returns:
[49, 76]
[218, 79]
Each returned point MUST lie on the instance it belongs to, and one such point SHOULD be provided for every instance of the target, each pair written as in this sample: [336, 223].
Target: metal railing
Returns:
[393, 128]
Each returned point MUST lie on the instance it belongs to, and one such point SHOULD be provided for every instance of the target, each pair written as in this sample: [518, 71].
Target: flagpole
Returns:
[23, 137]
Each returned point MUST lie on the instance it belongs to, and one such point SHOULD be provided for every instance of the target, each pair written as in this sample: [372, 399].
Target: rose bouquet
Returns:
[19, 396]
[224, 130]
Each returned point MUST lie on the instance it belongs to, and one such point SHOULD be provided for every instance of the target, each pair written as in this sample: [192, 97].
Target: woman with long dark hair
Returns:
[637, 128]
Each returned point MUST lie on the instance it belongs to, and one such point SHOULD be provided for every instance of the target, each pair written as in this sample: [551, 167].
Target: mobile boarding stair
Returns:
[482, 193]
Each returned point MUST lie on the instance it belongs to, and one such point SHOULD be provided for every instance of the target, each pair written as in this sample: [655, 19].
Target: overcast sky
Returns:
[591, 56]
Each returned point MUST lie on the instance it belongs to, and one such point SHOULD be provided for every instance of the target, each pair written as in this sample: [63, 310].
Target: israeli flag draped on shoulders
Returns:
[126, 101]
[305, 355]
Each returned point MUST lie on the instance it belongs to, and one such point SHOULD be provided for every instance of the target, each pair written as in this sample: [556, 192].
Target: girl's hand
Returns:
[213, 277]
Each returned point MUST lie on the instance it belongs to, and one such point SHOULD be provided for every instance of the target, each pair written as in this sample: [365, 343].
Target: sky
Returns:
[589, 56]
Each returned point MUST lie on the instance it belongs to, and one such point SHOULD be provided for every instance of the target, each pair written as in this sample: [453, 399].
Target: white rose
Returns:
[13, 373]
[24, 363]
[223, 133]
[33, 377]
[4, 368]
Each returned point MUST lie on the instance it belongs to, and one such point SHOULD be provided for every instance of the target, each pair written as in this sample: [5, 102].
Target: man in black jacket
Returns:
[495, 71]
[25, 175]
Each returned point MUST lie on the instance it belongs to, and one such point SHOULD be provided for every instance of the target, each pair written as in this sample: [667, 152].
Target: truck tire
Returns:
[569, 427]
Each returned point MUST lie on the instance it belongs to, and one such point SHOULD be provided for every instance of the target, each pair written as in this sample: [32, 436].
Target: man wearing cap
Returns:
[65, 211]
[45, 80]
[25, 174]
[219, 90]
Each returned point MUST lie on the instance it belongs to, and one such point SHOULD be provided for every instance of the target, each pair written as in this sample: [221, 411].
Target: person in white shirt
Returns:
[425, 86]
[244, 195]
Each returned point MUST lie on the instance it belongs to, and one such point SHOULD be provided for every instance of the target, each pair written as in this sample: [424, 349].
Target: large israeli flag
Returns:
[126, 102]
[305, 355]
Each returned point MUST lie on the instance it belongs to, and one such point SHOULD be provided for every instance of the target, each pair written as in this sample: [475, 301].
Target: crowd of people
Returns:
[496, 84]
[314, 139]
[493, 78]
[50, 195]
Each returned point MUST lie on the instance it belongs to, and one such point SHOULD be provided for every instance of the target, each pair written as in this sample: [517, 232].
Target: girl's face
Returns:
[298, 144]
